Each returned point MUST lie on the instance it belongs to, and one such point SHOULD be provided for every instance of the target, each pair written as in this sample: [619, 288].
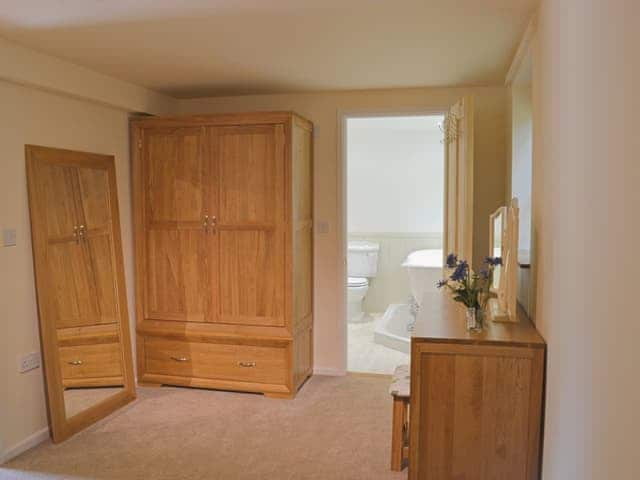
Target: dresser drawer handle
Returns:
[75, 362]
[247, 364]
[180, 359]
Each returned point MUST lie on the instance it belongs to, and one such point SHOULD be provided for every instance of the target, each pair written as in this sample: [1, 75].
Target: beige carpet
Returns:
[336, 428]
[77, 400]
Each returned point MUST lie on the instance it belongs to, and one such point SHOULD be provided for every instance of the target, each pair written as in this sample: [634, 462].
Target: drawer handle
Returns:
[247, 364]
[75, 362]
[180, 359]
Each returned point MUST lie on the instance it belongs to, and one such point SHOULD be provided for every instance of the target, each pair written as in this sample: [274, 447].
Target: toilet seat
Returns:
[357, 282]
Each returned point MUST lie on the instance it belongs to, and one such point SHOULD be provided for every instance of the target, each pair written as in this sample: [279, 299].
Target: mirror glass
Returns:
[90, 373]
[80, 283]
[497, 227]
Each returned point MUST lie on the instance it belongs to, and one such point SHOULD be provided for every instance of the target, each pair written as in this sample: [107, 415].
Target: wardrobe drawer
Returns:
[245, 363]
[91, 361]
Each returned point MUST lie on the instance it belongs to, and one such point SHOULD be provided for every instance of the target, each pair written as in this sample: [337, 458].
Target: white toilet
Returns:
[362, 265]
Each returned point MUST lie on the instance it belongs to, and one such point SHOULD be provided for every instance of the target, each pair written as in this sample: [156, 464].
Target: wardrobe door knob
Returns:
[75, 362]
[247, 364]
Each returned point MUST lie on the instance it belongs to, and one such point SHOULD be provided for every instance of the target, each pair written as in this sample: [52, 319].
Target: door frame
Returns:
[342, 231]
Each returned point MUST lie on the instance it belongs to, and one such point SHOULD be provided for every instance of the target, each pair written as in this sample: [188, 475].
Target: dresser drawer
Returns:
[91, 361]
[245, 363]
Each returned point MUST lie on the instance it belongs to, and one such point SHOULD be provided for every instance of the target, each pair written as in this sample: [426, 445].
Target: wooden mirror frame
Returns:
[503, 308]
[61, 426]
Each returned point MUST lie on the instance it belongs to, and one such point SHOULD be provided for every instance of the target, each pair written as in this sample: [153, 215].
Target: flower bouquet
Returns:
[470, 288]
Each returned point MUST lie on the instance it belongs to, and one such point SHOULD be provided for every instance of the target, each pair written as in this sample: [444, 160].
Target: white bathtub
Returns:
[424, 268]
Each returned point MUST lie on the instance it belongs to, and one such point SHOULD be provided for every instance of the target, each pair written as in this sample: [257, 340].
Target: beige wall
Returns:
[47, 101]
[325, 110]
[32, 116]
[585, 221]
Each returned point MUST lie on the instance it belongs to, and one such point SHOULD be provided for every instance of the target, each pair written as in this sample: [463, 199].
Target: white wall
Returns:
[395, 175]
[587, 229]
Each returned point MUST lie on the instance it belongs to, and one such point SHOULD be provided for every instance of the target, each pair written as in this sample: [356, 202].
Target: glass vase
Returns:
[474, 319]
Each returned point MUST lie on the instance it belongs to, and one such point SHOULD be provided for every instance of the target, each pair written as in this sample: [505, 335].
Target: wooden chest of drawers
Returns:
[476, 398]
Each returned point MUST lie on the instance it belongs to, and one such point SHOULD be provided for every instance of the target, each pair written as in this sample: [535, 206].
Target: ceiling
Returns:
[190, 48]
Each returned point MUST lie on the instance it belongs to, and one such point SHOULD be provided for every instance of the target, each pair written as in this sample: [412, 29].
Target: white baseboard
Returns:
[332, 372]
[27, 444]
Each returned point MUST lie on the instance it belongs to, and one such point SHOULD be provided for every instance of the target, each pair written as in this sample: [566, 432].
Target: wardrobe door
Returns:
[250, 168]
[97, 246]
[74, 302]
[177, 218]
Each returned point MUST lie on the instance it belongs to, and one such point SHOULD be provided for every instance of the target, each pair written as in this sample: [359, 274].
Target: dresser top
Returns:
[442, 320]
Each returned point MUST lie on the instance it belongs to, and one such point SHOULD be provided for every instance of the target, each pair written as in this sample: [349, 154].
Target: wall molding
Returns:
[26, 444]
[522, 51]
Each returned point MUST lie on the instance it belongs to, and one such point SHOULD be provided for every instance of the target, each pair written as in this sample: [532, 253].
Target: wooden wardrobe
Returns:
[224, 251]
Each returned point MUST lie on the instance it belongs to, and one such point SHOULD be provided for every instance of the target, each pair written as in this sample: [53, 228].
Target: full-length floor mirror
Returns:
[82, 305]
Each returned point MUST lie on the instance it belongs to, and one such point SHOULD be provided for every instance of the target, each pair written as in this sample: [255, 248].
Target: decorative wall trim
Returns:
[522, 51]
[26, 444]
[449, 128]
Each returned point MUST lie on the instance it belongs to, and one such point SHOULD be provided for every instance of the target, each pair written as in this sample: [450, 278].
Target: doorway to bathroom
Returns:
[395, 175]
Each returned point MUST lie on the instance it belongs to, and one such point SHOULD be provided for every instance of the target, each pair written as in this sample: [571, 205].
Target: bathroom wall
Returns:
[395, 175]
[391, 285]
[395, 195]
[326, 110]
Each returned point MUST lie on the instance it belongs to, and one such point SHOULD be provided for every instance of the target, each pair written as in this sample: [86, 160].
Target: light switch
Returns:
[9, 237]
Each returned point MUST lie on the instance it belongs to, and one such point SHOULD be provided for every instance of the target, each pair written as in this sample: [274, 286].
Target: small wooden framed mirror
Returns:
[79, 273]
[503, 241]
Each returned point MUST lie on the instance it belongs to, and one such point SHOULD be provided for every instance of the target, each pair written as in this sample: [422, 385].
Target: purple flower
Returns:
[441, 283]
[452, 259]
[493, 261]
[460, 272]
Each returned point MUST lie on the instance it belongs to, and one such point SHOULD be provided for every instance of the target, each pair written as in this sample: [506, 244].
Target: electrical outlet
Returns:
[29, 362]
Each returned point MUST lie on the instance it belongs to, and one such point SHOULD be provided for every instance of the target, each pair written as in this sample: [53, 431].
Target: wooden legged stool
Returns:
[400, 391]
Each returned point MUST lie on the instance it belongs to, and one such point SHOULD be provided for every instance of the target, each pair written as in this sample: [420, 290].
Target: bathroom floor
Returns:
[364, 355]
